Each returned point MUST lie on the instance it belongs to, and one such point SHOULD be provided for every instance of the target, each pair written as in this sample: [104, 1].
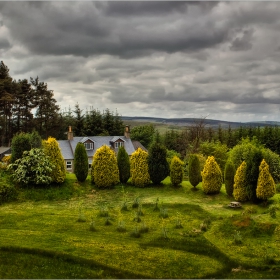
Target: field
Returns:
[77, 231]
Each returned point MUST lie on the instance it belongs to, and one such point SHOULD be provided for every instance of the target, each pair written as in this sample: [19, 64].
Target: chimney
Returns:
[70, 133]
[127, 132]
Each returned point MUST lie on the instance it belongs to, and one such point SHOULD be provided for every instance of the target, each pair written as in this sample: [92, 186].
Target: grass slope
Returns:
[41, 234]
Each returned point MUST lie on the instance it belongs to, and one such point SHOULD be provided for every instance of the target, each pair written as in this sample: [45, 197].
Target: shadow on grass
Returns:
[110, 272]
[197, 245]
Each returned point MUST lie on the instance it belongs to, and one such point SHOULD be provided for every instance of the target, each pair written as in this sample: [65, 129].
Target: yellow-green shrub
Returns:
[7, 159]
[212, 178]
[266, 185]
[105, 171]
[240, 183]
[139, 168]
[51, 149]
[176, 171]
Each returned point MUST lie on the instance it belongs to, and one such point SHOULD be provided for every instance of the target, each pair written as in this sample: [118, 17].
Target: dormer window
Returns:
[118, 144]
[89, 146]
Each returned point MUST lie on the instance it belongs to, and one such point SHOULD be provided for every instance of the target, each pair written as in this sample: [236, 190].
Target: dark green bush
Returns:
[157, 162]
[7, 192]
[123, 165]
[194, 170]
[229, 177]
[80, 162]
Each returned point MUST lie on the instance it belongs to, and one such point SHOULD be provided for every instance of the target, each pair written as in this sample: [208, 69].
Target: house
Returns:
[4, 151]
[92, 143]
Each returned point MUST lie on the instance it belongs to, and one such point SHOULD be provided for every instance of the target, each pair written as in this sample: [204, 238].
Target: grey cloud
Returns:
[169, 59]
[82, 29]
[126, 8]
[4, 43]
[243, 43]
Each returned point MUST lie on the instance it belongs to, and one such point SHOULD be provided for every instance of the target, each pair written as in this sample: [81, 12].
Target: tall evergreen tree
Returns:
[79, 121]
[123, 165]
[157, 162]
[194, 170]
[48, 118]
[80, 162]
[7, 89]
[93, 123]
[252, 174]
[229, 177]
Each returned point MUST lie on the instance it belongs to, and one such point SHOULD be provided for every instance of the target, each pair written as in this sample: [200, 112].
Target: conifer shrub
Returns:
[229, 177]
[139, 168]
[194, 170]
[212, 178]
[176, 171]
[252, 173]
[240, 183]
[266, 185]
[105, 169]
[123, 165]
[52, 150]
[80, 162]
[20, 143]
[157, 162]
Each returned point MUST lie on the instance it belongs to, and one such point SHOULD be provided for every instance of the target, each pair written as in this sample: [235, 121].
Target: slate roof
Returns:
[137, 145]
[5, 150]
[68, 146]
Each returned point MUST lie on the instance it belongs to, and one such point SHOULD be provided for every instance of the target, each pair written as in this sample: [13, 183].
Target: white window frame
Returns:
[88, 146]
[118, 144]
[68, 165]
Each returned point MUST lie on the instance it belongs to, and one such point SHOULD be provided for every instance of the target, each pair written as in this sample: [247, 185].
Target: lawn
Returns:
[77, 231]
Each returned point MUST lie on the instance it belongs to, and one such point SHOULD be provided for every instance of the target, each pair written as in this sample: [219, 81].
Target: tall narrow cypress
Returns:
[157, 162]
[194, 170]
[80, 162]
[123, 165]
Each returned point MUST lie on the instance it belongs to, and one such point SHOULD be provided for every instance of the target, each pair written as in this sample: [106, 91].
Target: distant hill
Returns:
[191, 121]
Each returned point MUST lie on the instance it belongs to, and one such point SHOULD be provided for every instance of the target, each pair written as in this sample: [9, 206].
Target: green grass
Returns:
[41, 235]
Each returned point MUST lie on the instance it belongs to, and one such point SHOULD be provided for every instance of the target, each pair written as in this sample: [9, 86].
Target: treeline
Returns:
[29, 105]
[191, 139]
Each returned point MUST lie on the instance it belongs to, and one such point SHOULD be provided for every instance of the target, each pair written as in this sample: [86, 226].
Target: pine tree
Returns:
[176, 171]
[80, 162]
[194, 170]
[240, 183]
[139, 168]
[123, 165]
[212, 178]
[229, 177]
[266, 184]
[157, 162]
[51, 149]
[105, 168]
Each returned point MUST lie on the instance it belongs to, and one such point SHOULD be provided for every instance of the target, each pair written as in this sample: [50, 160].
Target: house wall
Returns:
[69, 162]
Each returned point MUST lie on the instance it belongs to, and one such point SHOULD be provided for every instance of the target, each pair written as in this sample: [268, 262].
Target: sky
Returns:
[219, 60]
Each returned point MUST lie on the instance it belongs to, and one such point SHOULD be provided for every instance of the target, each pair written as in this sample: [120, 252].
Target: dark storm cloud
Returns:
[83, 29]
